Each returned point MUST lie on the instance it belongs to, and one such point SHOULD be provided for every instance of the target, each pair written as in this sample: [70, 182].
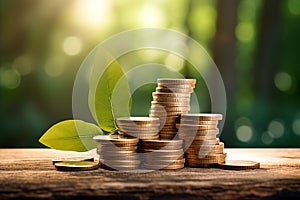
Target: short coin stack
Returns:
[170, 100]
[140, 127]
[163, 154]
[118, 152]
[202, 147]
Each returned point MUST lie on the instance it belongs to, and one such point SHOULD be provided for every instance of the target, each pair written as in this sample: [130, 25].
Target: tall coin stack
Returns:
[139, 127]
[201, 145]
[170, 100]
[117, 152]
[163, 154]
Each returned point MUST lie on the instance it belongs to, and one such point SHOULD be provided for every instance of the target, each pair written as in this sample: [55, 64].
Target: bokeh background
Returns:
[255, 44]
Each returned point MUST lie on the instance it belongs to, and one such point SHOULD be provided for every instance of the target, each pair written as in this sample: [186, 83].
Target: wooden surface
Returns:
[29, 174]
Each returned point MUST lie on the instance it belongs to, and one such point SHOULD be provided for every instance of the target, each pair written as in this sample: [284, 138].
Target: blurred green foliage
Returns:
[44, 42]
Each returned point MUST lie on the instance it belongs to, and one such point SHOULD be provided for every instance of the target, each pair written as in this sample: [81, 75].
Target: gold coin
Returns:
[208, 159]
[173, 104]
[137, 126]
[174, 90]
[137, 132]
[76, 165]
[202, 116]
[192, 82]
[139, 129]
[165, 129]
[156, 137]
[120, 162]
[164, 167]
[116, 148]
[168, 134]
[144, 136]
[163, 119]
[166, 137]
[216, 147]
[196, 137]
[119, 157]
[73, 158]
[165, 162]
[115, 139]
[173, 95]
[196, 127]
[162, 156]
[214, 165]
[169, 108]
[119, 168]
[138, 120]
[198, 143]
[164, 113]
[204, 151]
[163, 152]
[239, 164]
[120, 145]
[168, 147]
[169, 126]
[163, 142]
[115, 151]
[175, 86]
[157, 147]
[183, 100]
[197, 122]
[191, 133]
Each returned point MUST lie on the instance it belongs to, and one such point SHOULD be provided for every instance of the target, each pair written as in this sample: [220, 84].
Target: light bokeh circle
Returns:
[139, 39]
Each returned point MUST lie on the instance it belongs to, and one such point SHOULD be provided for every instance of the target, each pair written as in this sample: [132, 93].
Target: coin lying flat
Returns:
[239, 164]
[164, 167]
[120, 157]
[165, 162]
[133, 163]
[118, 168]
[73, 158]
[170, 109]
[163, 143]
[195, 127]
[169, 104]
[115, 139]
[197, 122]
[202, 116]
[167, 81]
[137, 120]
[201, 138]
[107, 148]
[198, 133]
[76, 165]
[164, 113]
[175, 86]
[174, 90]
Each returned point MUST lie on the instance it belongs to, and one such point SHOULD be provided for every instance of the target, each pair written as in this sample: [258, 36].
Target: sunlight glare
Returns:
[92, 13]
[151, 16]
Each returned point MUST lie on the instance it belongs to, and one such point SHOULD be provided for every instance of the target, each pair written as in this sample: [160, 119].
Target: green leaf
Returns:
[72, 135]
[109, 95]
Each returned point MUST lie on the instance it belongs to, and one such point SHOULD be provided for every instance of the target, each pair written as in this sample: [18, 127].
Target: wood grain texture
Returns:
[29, 174]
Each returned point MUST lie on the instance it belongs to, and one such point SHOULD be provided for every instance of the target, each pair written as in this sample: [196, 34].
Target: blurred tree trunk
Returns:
[267, 48]
[224, 48]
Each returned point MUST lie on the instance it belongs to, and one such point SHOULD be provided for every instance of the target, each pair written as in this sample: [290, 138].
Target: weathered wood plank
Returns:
[28, 173]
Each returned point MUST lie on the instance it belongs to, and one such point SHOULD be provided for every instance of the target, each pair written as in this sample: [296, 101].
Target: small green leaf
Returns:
[71, 135]
[110, 98]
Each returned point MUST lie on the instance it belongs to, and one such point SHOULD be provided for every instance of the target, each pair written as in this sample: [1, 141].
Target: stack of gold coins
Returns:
[140, 127]
[118, 152]
[201, 145]
[170, 100]
[163, 154]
